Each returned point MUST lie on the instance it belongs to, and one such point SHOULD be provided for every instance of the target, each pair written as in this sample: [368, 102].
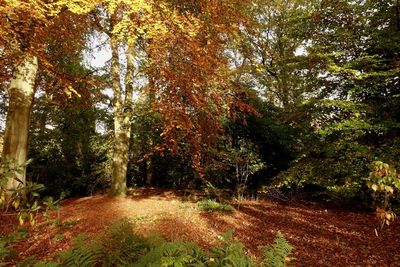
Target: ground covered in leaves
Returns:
[321, 236]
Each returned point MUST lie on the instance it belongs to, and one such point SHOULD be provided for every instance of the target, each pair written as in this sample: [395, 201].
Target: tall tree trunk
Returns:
[21, 93]
[122, 116]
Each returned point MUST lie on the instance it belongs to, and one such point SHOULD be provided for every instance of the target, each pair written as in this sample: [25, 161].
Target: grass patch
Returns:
[212, 205]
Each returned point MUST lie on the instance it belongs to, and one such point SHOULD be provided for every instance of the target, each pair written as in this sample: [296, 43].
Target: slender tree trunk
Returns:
[398, 15]
[122, 119]
[21, 93]
[149, 172]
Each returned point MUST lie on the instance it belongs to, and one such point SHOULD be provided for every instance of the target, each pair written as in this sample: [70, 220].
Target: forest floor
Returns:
[321, 237]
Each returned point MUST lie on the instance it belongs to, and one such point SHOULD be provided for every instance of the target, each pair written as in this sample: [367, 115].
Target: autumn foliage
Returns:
[190, 77]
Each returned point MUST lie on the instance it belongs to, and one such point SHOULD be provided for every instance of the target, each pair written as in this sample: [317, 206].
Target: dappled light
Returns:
[199, 133]
[319, 235]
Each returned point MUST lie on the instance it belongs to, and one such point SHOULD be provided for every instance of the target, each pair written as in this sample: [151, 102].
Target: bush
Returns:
[212, 205]
[384, 181]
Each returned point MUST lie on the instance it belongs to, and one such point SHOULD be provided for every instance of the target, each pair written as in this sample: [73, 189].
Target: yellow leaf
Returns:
[16, 203]
[32, 222]
[70, 90]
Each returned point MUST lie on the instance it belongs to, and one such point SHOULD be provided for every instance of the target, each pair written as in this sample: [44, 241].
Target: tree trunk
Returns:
[122, 116]
[21, 93]
[120, 156]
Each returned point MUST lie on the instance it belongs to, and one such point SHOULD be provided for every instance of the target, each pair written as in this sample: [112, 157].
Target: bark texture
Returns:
[122, 103]
[21, 94]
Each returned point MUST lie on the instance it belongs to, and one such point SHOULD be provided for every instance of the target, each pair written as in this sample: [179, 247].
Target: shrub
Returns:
[384, 181]
[25, 198]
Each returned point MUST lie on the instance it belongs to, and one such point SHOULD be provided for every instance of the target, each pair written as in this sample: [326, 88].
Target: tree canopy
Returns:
[234, 94]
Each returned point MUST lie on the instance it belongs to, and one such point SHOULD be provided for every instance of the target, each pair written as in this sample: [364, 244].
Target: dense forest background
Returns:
[244, 132]
[306, 97]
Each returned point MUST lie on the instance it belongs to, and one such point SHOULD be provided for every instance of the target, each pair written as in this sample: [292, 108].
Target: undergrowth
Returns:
[277, 254]
[7, 253]
[212, 205]
[120, 246]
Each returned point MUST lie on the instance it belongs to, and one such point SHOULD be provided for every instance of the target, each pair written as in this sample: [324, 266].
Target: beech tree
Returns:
[23, 30]
[182, 45]
[17, 34]
[186, 68]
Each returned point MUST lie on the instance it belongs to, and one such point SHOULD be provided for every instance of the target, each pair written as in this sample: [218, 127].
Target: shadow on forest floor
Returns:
[321, 237]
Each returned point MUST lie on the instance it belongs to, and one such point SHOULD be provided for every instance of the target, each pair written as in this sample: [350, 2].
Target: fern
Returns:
[211, 205]
[4, 250]
[174, 254]
[84, 253]
[47, 264]
[229, 252]
[121, 246]
[7, 253]
[277, 254]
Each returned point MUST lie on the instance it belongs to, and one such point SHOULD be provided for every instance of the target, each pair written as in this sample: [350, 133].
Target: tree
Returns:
[122, 114]
[69, 154]
[17, 34]
[190, 75]
[274, 51]
[356, 123]
[271, 59]
[183, 44]
[23, 30]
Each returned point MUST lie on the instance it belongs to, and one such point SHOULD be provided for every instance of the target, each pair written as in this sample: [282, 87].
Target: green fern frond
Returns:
[120, 245]
[277, 254]
[84, 253]
[229, 252]
[174, 254]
